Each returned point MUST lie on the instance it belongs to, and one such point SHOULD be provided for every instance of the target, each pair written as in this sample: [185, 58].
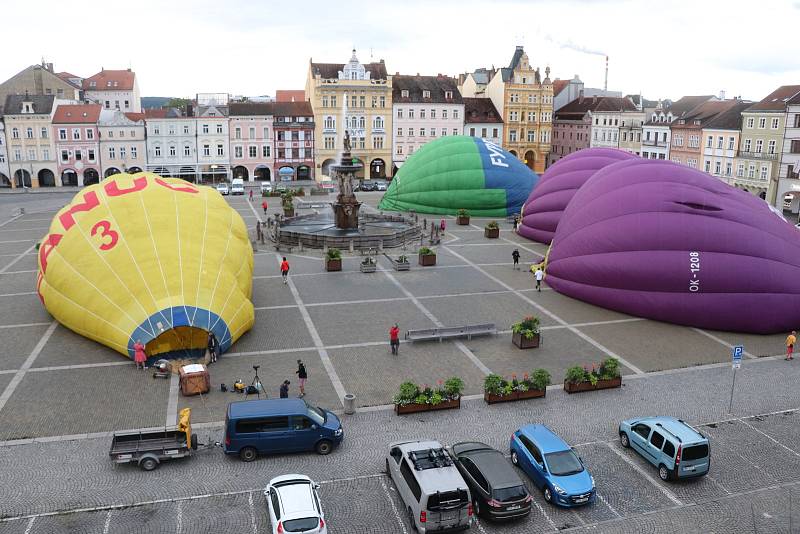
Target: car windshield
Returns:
[695, 452]
[563, 463]
[317, 415]
[301, 525]
[510, 494]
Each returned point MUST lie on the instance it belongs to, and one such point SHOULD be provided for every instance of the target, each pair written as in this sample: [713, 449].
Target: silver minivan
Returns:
[435, 496]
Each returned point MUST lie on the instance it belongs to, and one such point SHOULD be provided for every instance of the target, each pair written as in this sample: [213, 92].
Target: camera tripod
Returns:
[256, 384]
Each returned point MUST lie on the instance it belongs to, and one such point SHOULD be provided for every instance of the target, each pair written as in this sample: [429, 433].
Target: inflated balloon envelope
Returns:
[149, 259]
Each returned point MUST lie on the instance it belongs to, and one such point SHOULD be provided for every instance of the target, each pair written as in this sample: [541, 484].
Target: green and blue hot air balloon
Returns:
[457, 172]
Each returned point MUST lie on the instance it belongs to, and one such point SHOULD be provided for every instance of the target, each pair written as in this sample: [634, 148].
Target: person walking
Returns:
[264, 206]
[539, 275]
[442, 225]
[516, 222]
[251, 195]
[139, 356]
[285, 270]
[791, 339]
[394, 339]
[213, 347]
[515, 257]
[302, 375]
[284, 392]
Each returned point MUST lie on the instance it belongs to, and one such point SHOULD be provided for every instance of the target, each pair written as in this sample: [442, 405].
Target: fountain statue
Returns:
[346, 207]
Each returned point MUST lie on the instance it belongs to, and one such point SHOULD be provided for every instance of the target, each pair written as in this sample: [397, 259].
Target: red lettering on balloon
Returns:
[46, 248]
[89, 203]
[181, 188]
[107, 232]
[113, 190]
[39, 279]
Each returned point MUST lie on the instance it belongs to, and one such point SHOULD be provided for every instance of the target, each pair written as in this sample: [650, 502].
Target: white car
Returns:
[294, 505]
[223, 189]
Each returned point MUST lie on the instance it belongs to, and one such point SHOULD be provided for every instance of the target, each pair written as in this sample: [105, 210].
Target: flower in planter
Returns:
[462, 213]
[408, 393]
[492, 225]
[421, 399]
[333, 254]
[540, 379]
[436, 398]
[402, 259]
[453, 387]
[609, 369]
[368, 261]
[425, 251]
[576, 374]
[527, 328]
[493, 384]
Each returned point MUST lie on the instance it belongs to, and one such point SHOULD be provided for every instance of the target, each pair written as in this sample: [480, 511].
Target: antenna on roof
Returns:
[370, 53]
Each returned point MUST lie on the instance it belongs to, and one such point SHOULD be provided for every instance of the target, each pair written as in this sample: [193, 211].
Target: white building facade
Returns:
[213, 139]
[114, 89]
[656, 134]
[171, 144]
[5, 173]
[122, 143]
[789, 174]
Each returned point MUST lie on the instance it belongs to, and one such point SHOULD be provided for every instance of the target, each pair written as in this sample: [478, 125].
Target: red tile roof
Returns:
[290, 95]
[477, 110]
[135, 116]
[278, 109]
[77, 114]
[119, 80]
[156, 113]
[67, 77]
[777, 99]
[559, 85]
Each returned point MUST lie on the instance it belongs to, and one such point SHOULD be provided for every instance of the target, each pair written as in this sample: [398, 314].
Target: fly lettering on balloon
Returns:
[496, 155]
[694, 270]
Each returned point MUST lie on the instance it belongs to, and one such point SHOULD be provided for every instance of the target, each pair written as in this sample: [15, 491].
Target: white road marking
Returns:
[394, 508]
[30, 525]
[20, 374]
[604, 501]
[23, 325]
[721, 341]
[671, 496]
[12, 219]
[107, 524]
[172, 403]
[18, 294]
[775, 441]
[549, 520]
[5, 270]
[252, 513]
[179, 517]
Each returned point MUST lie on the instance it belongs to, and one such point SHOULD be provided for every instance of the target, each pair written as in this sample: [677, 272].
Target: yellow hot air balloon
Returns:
[150, 259]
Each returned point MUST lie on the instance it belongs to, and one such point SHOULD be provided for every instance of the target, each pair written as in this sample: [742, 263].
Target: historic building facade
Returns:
[171, 143]
[114, 89]
[32, 158]
[424, 108]
[720, 141]
[525, 101]
[211, 125]
[356, 97]
[122, 142]
[5, 173]
[687, 132]
[789, 174]
[77, 143]
[481, 119]
[251, 143]
[39, 80]
[294, 130]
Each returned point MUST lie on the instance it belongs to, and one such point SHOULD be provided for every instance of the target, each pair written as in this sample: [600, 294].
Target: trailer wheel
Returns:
[194, 442]
[148, 463]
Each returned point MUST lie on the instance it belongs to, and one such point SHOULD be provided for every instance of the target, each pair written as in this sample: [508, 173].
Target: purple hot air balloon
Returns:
[555, 189]
[655, 239]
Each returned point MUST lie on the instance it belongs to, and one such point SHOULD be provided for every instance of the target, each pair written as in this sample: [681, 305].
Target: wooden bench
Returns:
[428, 334]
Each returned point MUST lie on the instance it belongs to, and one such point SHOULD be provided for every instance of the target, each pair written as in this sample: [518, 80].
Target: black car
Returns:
[497, 491]
[369, 185]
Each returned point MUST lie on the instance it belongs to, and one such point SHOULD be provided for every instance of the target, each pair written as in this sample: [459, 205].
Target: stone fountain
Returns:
[345, 209]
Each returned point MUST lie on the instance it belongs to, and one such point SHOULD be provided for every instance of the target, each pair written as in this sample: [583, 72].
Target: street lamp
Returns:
[213, 173]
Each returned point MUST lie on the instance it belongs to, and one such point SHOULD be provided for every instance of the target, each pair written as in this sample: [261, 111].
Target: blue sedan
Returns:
[552, 465]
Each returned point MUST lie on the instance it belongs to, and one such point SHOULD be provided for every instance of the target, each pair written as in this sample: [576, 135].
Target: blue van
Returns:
[279, 425]
[675, 448]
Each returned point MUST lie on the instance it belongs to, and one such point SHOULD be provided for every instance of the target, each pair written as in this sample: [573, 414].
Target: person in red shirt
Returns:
[285, 270]
[394, 339]
[264, 205]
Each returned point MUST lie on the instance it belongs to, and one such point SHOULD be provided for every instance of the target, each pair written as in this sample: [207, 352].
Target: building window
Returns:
[717, 167]
[775, 122]
[399, 132]
[762, 123]
[411, 113]
[422, 132]
[122, 152]
[64, 155]
[625, 136]
[422, 114]
[720, 141]
[29, 133]
[377, 143]
[771, 147]
[78, 155]
[411, 132]
[377, 124]
[404, 93]
[399, 150]
[483, 132]
[740, 170]
[90, 134]
[252, 133]
[187, 150]
[448, 95]
[512, 136]
[731, 141]
[91, 154]
[399, 113]
[157, 150]
[764, 171]
[383, 101]
[127, 104]
[186, 129]
[220, 150]
[759, 146]
[205, 128]
[472, 132]
[751, 170]
[750, 122]
[513, 116]
[747, 145]
[134, 153]
[17, 154]
[433, 132]
[76, 134]
[237, 133]
[531, 136]
[156, 130]
[253, 150]
[362, 100]
[728, 168]
[325, 101]
[171, 150]
[62, 134]
[444, 114]
[206, 150]
[455, 113]
[374, 101]
[31, 154]
[329, 143]
[329, 123]
[354, 101]
[112, 154]
[433, 113]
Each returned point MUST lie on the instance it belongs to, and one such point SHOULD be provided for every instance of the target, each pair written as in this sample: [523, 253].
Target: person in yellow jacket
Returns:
[791, 339]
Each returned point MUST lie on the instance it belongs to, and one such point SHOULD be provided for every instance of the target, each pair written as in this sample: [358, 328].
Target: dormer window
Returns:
[27, 107]
[448, 95]
[654, 117]
[108, 83]
[426, 94]
[404, 93]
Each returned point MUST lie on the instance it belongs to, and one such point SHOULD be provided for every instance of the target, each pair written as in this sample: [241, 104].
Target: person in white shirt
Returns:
[539, 275]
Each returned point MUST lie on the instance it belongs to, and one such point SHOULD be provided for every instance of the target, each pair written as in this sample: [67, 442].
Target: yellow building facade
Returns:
[356, 97]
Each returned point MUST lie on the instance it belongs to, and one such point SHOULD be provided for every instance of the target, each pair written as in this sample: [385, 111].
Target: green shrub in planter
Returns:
[540, 379]
[575, 375]
[492, 225]
[408, 393]
[425, 251]
[493, 384]
[333, 254]
[453, 387]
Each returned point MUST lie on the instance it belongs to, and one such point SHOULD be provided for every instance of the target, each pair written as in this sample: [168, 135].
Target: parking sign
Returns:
[737, 352]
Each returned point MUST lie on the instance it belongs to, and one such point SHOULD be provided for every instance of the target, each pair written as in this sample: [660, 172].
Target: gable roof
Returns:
[77, 114]
[477, 110]
[687, 103]
[290, 95]
[730, 119]
[331, 70]
[163, 113]
[280, 109]
[119, 80]
[702, 114]
[41, 103]
[415, 85]
[582, 105]
[777, 99]
[559, 85]
[67, 77]
[516, 57]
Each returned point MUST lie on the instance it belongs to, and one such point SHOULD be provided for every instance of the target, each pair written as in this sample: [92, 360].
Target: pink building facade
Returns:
[77, 144]
[570, 135]
[252, 141]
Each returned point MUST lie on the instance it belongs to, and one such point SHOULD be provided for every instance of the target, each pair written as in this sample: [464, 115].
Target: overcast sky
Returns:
[663, 49]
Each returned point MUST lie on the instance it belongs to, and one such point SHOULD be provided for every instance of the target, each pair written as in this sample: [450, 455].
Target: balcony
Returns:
[654, 142]
[758, 155]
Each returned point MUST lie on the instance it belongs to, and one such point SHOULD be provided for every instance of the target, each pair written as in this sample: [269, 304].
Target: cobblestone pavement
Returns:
[61, 395]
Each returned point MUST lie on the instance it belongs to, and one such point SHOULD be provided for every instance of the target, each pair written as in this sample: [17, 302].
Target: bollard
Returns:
[300, 246]
[351, 246]
[380, 246]
[349, 404]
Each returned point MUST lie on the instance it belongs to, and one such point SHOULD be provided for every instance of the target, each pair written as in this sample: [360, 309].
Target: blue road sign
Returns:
[737, 353]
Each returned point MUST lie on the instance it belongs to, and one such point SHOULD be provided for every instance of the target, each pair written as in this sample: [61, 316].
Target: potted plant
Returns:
[525, 334]
[462, 217]
[401, 263]
[333, 260]
[368, 265]
[413, 398]
[287, 203]
[427, 257]
[491, 230]
[497, 389]
[606, 375]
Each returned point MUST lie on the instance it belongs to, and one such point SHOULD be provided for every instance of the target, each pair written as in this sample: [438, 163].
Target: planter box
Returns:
[368, 267]
[288, 212]
[515, 396]
[401, 266]
[587, 386]
[415, 408]
[462, 221]
[319, 193]
[525, 343]
[427, 259]
[333, 265]
[491, 233]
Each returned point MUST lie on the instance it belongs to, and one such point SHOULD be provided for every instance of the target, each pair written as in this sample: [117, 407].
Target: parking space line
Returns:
[12, 219]
[549, 520]
[252, 513]
[718, 483]
[775, 441]
[20, 374]
[721, 341]
[18, 294]
[553, 316]
[5, 270]
[37, 229]
[603, 499]
[30, 525]
[671, 496]
[107, 524]
[179, 517]
[22, 325]
[394, 508]
[523, 247]
[17, 241]
[172, 403]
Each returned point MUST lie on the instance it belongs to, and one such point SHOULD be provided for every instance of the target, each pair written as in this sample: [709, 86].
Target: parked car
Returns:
[369, 185]
[279, 425]
[497, 491]
[293, 504]
[381, 186]
[266, 188]
[434, 494]
[223, 189]
[356, 185]
[237, 186]
[675, 448]
[552, 465]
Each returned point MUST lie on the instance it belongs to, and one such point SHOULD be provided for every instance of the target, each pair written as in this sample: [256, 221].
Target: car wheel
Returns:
[248, 454]
[547, 494]
[514, 458]
[477, 508]
[148, 464]
[324, 447]
[663, 472]
[623, 439]
[412, 521]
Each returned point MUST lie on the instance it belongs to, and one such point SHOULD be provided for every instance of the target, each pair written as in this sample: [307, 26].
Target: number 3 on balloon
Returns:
[105, 226]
